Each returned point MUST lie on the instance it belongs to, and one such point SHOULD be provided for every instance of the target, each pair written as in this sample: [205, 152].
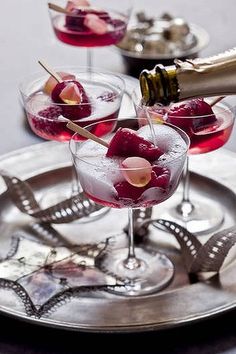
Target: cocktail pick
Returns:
[58, 8]
[216, 100]
[83, 132]
[50, 71]
[64, 11]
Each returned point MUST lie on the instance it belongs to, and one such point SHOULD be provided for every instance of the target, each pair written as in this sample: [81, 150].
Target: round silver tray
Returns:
[46, 167]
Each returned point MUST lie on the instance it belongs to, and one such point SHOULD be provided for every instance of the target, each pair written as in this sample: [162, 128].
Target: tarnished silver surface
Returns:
[161, 41]
[45, 166]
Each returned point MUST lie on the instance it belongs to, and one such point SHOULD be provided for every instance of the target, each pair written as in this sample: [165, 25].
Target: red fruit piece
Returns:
[71, 94]
[127, 143]
[95, 24]
[75, 4]
[128, 191]
[160, 178]
[76, 22]
[50, 112]
[180, 115]
[50, 127]
[72, 111]
[51, 82]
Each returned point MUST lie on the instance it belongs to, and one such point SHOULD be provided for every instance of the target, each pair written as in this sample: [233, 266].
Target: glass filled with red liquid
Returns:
[101, 96]
[89, 24]
[209, 127]
[104, 92]
[136, 170]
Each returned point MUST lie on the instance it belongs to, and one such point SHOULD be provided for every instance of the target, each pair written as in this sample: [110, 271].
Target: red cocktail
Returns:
[71, 29]
[115, 190]
[81, 96]
[100, 100]
[133, 172]
[84, 24]
[209, 128]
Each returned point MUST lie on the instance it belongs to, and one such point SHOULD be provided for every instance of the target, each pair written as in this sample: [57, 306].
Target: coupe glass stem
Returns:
[185, 208]
[131, 262]
[75, 181]
[89, 58]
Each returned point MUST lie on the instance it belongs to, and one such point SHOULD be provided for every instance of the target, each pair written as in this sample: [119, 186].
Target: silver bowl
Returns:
[137, 58]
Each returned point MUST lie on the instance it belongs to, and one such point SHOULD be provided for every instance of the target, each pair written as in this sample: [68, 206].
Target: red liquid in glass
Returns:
[55, 130]
[212, 138]
[105, 105]
[209, 137]
[87, 38]
[122, 203]
[103, 181]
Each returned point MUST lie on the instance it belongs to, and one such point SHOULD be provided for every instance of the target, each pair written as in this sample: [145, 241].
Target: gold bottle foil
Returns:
[202, 77]
[213, 76]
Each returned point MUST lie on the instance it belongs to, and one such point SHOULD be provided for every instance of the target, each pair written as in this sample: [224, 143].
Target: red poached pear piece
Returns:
[76, 3]
[127, 143]
[71, 94]
[72, 111]
[180, 115]
[77, 22]
[160, 178]
[95, 24]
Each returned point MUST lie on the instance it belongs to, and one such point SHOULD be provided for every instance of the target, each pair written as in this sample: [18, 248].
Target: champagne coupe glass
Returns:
[102, 100]
[208, 127]
[111, 179]
[79, 23]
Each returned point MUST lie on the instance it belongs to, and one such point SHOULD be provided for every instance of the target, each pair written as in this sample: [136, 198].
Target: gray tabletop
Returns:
[25, 37]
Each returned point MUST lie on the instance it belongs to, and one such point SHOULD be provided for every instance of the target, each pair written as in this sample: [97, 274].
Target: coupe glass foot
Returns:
[155, 271]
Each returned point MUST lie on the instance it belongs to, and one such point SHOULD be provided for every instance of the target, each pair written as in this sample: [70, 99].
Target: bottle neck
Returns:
[213, 76]
[159, 85]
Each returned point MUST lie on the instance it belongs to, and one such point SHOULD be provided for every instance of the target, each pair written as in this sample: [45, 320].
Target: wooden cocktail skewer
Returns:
[86, 134]
[216, 100]
[50, 71]
[72, 126]
[64, 11]
[58, 8]
[83, 132]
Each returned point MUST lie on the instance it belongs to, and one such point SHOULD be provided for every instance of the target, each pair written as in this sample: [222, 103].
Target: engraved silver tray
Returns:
[46, 166]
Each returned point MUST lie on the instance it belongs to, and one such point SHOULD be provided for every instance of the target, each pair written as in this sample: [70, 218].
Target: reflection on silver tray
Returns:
[45, 166]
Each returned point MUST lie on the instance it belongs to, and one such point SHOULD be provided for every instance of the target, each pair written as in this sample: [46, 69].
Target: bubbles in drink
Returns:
[103, 180]
[167, 139]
